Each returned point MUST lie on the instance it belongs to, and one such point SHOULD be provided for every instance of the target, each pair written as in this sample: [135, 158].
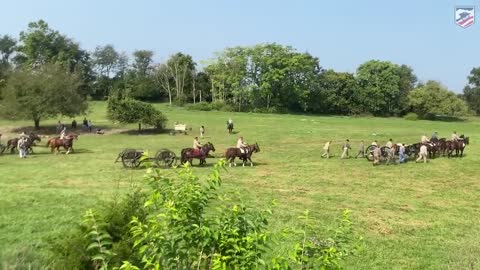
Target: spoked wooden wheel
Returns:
[369, 152]
[165, 158]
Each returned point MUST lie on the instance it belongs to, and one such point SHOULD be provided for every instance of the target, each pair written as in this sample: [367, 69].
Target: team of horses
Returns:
[244, 154]
[53, 143]
[442, 147]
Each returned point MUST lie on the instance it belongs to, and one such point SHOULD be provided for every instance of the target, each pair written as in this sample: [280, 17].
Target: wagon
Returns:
[180, 128]
[133, 158]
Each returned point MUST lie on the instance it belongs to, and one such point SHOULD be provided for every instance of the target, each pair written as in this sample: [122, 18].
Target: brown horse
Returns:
[458, 146]
[188, 154]
[66, 142]
[234, 152]
[32, 137]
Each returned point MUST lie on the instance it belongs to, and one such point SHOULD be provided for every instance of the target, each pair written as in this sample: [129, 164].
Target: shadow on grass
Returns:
[148, 131]
[53, 131]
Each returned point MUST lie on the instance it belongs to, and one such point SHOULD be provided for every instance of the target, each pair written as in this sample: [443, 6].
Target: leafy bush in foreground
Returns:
[185, 223]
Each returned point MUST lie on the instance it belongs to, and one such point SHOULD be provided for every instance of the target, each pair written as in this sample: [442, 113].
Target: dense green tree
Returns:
[265, 75]
[132, 111]
[335, 93]
[107, 61]
[471, 92]
[40, 45]
[140, 80]
[7, 48]
[432, 99]
[380, 91]
[46, 92]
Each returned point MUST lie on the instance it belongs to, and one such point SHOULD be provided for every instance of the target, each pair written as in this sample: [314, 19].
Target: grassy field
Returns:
[412, 216]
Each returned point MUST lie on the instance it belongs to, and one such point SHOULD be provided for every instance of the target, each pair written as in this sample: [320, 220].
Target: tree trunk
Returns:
[37, 123]
[194, 90]
[200, 94]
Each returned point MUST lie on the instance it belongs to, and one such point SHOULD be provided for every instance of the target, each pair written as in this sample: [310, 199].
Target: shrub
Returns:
[134, 111]
[411, 116]
[201, 106]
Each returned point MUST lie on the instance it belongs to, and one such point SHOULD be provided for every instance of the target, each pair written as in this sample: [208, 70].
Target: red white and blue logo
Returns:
[465, 16]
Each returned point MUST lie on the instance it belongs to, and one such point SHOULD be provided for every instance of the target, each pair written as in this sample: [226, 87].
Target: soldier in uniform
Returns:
[361, 149]
[422, 154]
[345, 147]
[326, 149]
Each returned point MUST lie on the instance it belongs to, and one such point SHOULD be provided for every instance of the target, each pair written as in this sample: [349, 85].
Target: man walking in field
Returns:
[361, 150]
[401, 153]
[22, 145]
[377, 153]
[326, 149]
[345, 148]
[202, 131]
[422, 154]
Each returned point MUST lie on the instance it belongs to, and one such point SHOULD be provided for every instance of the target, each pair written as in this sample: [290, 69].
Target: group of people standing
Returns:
[390, 151]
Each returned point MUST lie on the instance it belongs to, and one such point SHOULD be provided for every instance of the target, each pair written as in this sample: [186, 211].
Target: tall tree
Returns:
[142, 62]
[40, 45]
[471, 92]
[181, 68]
[46, 92]
[380, 87]
[106, 60]
[7, 48]
[433, 98]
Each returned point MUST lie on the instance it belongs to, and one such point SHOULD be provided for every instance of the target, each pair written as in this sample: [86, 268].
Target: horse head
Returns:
[257, 148]
[72, 135]
[466, 140]
[209, 146]
[34, 137]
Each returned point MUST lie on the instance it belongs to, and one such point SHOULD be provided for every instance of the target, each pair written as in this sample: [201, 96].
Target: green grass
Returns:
[412, 216]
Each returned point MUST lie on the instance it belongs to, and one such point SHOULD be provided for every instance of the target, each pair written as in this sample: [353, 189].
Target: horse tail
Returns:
[48, 143]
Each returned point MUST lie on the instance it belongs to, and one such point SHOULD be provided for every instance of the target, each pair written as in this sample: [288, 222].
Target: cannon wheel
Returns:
[131, 158]
[369, 152]
[165, 158]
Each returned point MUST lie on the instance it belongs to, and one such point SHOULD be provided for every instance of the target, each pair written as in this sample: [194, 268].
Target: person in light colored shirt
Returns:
[345, 147]
[422, 154]
[326, 149]
[424, 139]
[389, 143]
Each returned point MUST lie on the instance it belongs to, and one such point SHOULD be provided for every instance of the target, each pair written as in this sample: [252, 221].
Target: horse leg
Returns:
[251, 163]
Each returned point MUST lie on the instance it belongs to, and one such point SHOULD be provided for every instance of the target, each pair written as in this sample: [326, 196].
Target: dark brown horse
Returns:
[234, 152]
[32, 137]
[230, 127]
[458, 146]
[188, 154]
[66, 142]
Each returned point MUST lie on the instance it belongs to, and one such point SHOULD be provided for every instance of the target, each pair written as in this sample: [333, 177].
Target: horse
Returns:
[66, 142]
[458, 146]
[233, 152]
[32, 137]
[188, 154]
[69, 135]
[230, 127]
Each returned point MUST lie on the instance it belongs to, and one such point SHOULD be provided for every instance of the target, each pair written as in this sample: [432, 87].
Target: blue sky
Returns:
[343, 34]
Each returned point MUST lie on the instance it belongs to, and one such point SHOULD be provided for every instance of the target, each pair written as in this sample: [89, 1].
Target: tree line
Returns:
[44, 73]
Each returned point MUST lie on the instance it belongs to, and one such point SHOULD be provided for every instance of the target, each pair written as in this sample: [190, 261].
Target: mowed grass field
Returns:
[412, 216]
